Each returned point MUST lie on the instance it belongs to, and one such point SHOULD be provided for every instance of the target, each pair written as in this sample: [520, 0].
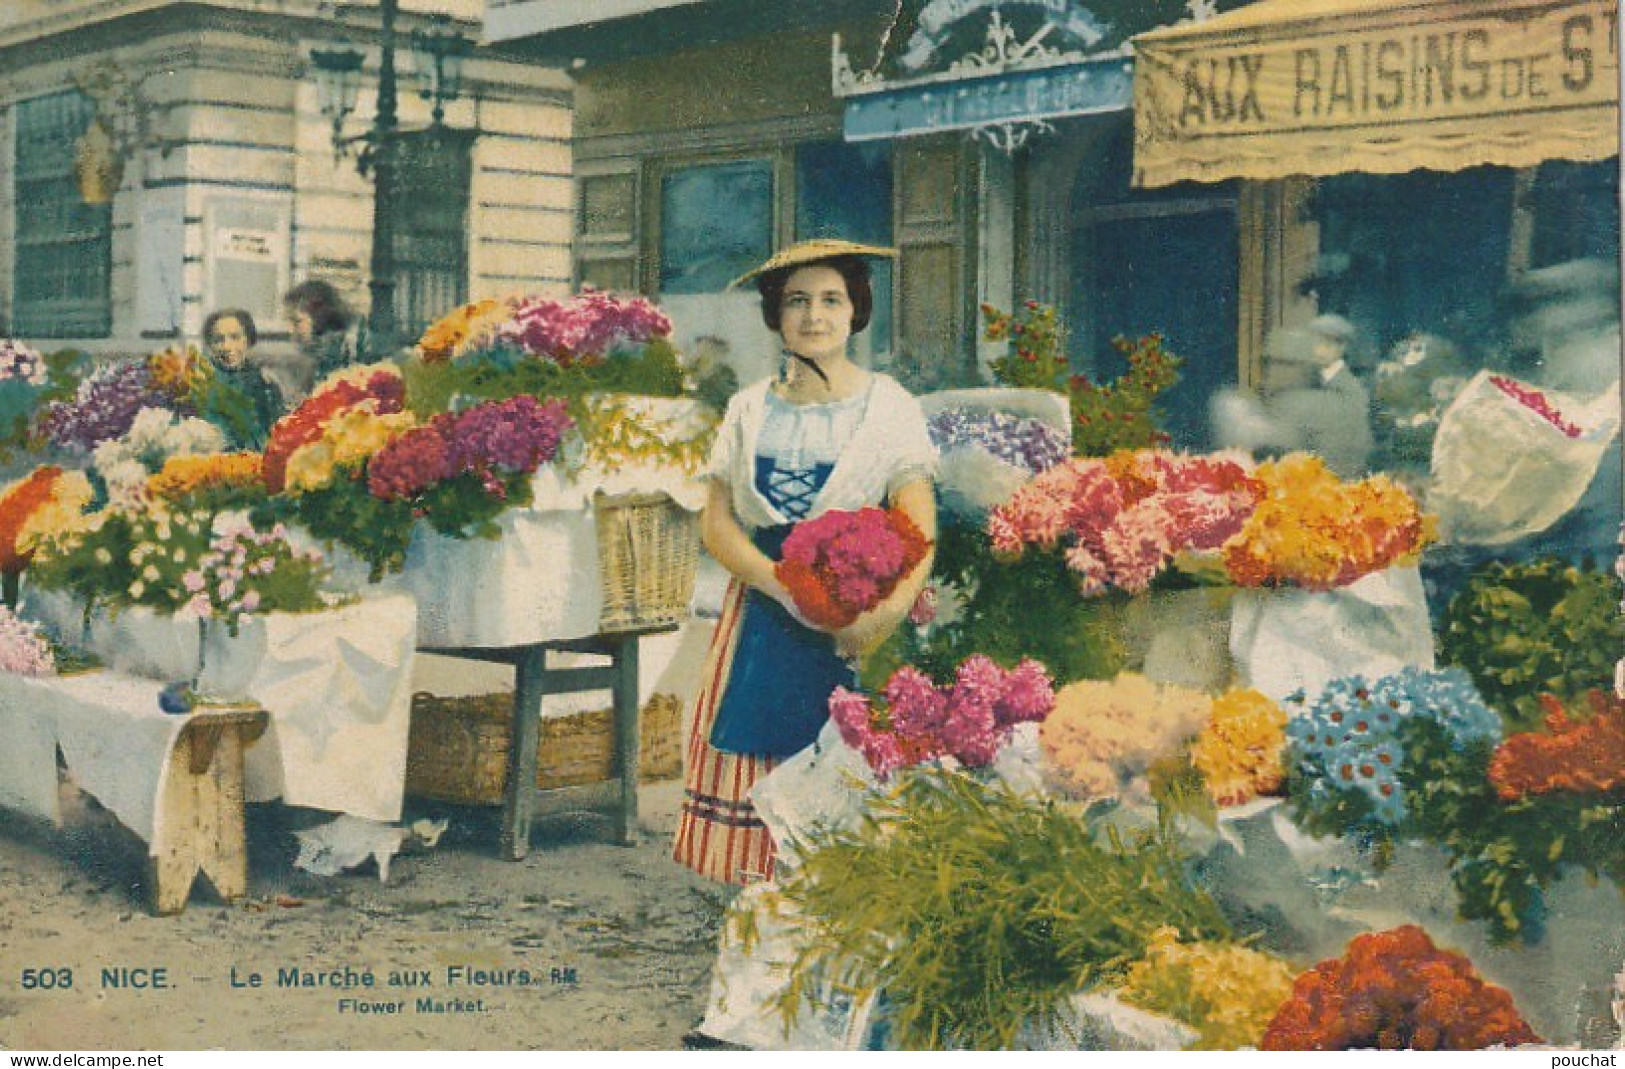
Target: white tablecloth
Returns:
[337, 684]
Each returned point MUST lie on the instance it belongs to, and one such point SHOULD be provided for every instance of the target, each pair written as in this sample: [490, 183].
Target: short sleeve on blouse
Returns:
[720, 464]
[914, 457]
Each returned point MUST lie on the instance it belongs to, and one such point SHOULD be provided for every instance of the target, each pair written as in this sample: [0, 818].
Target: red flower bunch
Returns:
[969, 721]
[511, 437]
[841, 564]
[305, 424]
[20, 503]
[1536, 402]
[1395, 990]
[1584, 755]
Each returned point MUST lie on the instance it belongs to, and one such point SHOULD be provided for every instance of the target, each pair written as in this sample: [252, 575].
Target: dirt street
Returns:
[584, 945]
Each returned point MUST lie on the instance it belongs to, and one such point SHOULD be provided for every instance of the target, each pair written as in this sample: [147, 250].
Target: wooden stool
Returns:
[200, 809]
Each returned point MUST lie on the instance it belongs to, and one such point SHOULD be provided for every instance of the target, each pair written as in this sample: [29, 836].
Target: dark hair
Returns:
[319, 300]
[243, 319]
[853, 269]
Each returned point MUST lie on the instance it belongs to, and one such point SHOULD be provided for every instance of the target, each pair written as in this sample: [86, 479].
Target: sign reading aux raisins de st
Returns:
[1315, 87]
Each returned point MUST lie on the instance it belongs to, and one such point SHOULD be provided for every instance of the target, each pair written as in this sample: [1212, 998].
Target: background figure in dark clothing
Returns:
[240, 400]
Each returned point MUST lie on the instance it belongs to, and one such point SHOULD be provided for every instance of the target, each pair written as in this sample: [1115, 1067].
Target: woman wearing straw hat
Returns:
[822, 434]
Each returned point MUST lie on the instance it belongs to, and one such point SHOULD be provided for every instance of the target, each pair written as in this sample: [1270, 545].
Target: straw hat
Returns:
[807, 252]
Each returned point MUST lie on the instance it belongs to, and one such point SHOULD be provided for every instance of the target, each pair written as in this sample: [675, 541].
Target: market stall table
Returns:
[175, 781]
[523, 801]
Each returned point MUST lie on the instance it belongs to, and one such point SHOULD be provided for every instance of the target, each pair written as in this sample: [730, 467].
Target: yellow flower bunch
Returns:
[1238, 753]
[184, 475]
[61, 515]
[464, 329]
[618, 434]
[1315, 531]
[349, 438]
[1103, 736]
[1228, 993]
[177, 371]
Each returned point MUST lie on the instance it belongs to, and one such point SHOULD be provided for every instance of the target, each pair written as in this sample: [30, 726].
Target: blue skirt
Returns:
[777, 696]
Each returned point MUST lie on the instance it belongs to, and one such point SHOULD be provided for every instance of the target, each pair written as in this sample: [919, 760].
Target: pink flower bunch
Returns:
[1536, 402]
[1120, 521]
[970, 720]
[585, 328]
[246, 570]
[511, 437]
[22, 648]
[840, 564]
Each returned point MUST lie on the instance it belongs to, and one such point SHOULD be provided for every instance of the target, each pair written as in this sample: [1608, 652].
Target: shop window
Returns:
[63, 257]
[845, 190]
[1576, 208]
[1156, 261]
[716, 223]
[434, 169]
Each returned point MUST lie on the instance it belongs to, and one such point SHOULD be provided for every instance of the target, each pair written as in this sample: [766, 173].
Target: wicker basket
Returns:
[648, 551]
[458, 747]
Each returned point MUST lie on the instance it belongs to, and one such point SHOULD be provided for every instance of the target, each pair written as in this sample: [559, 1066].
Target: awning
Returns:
[1316, 87]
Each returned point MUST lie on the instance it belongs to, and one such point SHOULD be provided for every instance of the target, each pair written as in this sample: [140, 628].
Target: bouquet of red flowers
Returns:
[841, 564]
[1395, 990]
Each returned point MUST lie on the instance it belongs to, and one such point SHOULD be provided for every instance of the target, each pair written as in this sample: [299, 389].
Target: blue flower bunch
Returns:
[1347, 750]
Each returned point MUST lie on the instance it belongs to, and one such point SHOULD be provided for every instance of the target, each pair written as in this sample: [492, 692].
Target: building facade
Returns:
[164, 158]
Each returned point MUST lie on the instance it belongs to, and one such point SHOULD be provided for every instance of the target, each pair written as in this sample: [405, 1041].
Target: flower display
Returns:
[1396, 990]
[1119, 522]
[1572, 755]
[488, 441]
[621, 430]
[1228, 993]
[1536, 402]
[1313, 530]
[840, 564]
[583, 329]
[1347, 748]
[23, 649]
[186, 475]
[969, 720]
[178, 372]
[347, 441]
[1103, 736]
[43, 503]
[103, 408]
[464, 329]
[244, 571]
[125, 463]
[1029, 444]
[19, 363]
[1122, 414]
[1238, 751]
[1037, 355]
[377, 388]
[126, 557]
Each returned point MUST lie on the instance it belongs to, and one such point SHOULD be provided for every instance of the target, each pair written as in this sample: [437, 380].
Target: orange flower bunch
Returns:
[185, 475]
[18, 505]
[1313, 530]
[1586, 755]
[1238, 753]
[177, 371]
[462, 329]
[1395, 990]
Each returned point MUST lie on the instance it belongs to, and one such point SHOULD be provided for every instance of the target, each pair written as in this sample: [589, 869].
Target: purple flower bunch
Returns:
[19, 363]
[1029, 444]
[583, 329]
[497, 438]
[104, 408]
[969, 720]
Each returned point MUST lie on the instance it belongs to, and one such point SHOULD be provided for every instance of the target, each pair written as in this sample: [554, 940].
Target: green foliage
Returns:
[498, 374]
[1037, 355]
[981, 911]
[1012, 610]
[129, 559]
[1523, 629]
[1122, 414]
[343, 512]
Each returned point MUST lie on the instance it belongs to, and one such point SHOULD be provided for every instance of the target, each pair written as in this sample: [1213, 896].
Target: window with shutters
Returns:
[434, 169]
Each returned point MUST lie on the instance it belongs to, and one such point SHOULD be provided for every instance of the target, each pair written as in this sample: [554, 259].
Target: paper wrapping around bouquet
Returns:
[1283, 640]
[540, 580]
[1502, 471]
[970, 479]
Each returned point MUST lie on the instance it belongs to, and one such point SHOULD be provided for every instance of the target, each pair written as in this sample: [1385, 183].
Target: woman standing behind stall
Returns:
[240, 400]
[824, 434]
[320, 322]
